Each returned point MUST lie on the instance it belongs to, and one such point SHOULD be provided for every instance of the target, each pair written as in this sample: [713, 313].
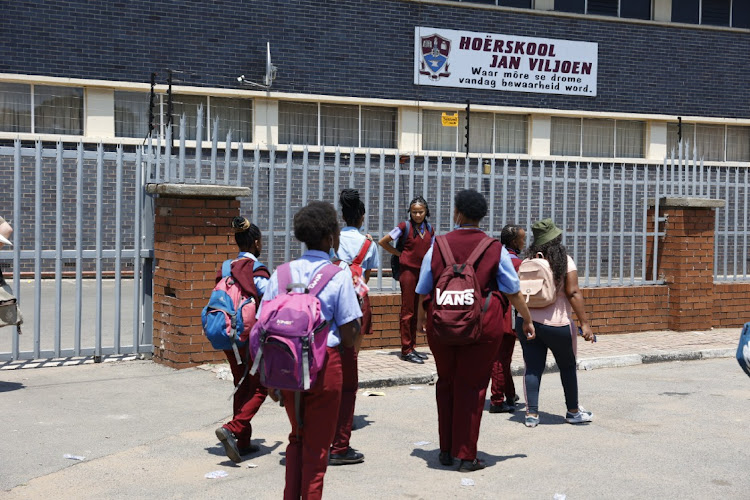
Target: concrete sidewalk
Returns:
[385, 368]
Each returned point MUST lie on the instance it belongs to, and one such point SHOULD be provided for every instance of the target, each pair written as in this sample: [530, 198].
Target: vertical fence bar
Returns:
[717, 236]
[632, 225]
[411, 177]
[271, 205]
[138, 202]
[517, 199]
[38, 250]
[439, 194]
[396, 198]
[227, 156]
[453, 190]
[575, 211]
[492, 198]
[321, 171]
[541, 190]
[79, 248]
[425, 176]
[702, 186]
[467, 166]
[505, 193]
[256, 184]
[381, 197]
[655, 259]
[682, 149]
[553, 193]
[529, 184]
[351, 168]
[744, 233]
[565, 203]
[726, 222]
[589, 180]
[288, 207]
[118, 248]
[599, 232]
[611, 221]
[58, 247]
[182, 149]
[157, 165]
[305, 183]
[336, 175]
[672, 183]
[99, 214]
[19, 229]
[214, 150]
[240, 161]
[168, 156]
[644, 262]
[622, 223]
[479, 175]
[368, 172]
[199, 144]
[736, 219]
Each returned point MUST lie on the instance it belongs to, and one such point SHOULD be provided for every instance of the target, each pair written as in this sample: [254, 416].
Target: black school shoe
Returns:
[230, 444]
[503, 407]
[471, 465]
[351, 456]
[446, 458]
[413, 357]
[420, 354]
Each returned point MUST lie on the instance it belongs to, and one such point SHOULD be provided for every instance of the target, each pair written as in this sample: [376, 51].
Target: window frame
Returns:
[615, 154]
[693, 140]
[33, 118]
[461, 131]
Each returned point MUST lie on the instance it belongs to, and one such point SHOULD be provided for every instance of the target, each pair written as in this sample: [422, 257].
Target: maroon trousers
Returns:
[463, 375]
[503, 388]
[350, 372]
[310, 440]
[247, 400]
[408, 278]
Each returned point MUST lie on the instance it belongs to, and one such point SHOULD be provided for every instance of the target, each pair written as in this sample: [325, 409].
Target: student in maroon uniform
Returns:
[415, 245]
[464, 370]
[503, 395]
[252, 277]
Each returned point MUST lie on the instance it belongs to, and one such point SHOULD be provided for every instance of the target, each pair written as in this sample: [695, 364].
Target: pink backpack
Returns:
[288, 342]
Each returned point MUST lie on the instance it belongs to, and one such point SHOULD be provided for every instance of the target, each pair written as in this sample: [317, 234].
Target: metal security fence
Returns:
[81, 218]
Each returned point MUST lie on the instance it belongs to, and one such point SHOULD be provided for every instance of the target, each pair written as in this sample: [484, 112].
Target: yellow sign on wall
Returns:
[450, 120]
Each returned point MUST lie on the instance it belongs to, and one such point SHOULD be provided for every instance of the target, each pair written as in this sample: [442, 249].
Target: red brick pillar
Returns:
[686, 258]
[192, 236]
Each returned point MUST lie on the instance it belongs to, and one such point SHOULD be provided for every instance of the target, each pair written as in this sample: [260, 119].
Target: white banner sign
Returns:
[465, 59]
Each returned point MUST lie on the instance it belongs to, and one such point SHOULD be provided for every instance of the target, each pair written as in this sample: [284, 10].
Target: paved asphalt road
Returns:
[668, 430]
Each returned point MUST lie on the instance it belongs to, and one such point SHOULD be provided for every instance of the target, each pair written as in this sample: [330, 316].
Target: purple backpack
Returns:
[288, 342]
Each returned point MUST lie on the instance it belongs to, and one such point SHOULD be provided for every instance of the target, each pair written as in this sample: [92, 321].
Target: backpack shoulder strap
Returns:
[479, 250]
[445, 251]
[362, 253]
[226, 268]
[321, 278]
[260, 269]
[283, 277]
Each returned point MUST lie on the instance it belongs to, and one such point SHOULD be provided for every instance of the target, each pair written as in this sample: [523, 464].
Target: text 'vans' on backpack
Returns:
[401, 242]
[537, 282]
[288, 342]
[230, 313]
[458, 303]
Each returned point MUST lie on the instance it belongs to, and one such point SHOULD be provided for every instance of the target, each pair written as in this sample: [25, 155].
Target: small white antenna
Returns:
[268, 78]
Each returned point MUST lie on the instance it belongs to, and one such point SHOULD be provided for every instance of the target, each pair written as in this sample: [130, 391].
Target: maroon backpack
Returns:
[458, 304]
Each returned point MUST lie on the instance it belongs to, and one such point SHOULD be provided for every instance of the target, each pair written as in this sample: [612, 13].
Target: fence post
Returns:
[686, 260]
[192, 237]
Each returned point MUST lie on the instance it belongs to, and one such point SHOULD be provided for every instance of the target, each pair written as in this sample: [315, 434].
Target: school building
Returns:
[546, 79]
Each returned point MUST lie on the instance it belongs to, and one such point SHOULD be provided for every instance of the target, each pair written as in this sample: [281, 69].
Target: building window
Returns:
[232, 114]
[131, 113]
[597, 137]
[735, 13]
[339, 124]
[488, 132]
[711, 142]
[521, 4]
[634, 9]
[41, 109]
[15, 107]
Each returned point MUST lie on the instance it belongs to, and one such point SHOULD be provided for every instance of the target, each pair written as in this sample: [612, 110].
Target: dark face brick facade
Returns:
[364, 48]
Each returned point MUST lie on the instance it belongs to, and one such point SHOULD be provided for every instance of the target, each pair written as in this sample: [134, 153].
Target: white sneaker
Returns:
[580, 417]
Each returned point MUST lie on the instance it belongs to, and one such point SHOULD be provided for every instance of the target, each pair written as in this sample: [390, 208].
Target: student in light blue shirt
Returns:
[317, 227]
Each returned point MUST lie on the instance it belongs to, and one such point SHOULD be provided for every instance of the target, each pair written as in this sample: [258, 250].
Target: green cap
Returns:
[545, 231]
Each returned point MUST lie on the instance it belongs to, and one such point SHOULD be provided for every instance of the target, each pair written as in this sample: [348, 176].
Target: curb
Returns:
[375, 383]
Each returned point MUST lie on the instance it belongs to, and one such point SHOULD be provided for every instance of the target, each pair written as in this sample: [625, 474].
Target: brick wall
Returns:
[610, 310]
[337, 48]
[730, 304]
[191, 237]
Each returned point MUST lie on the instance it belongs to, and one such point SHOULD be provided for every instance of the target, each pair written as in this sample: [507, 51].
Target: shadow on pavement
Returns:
[10, 386]
[431, 458]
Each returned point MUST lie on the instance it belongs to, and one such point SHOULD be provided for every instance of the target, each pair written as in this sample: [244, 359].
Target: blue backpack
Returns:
[743, 349]
[229, 314]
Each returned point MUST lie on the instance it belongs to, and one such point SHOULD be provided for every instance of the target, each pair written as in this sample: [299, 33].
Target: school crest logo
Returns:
[435, 53]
